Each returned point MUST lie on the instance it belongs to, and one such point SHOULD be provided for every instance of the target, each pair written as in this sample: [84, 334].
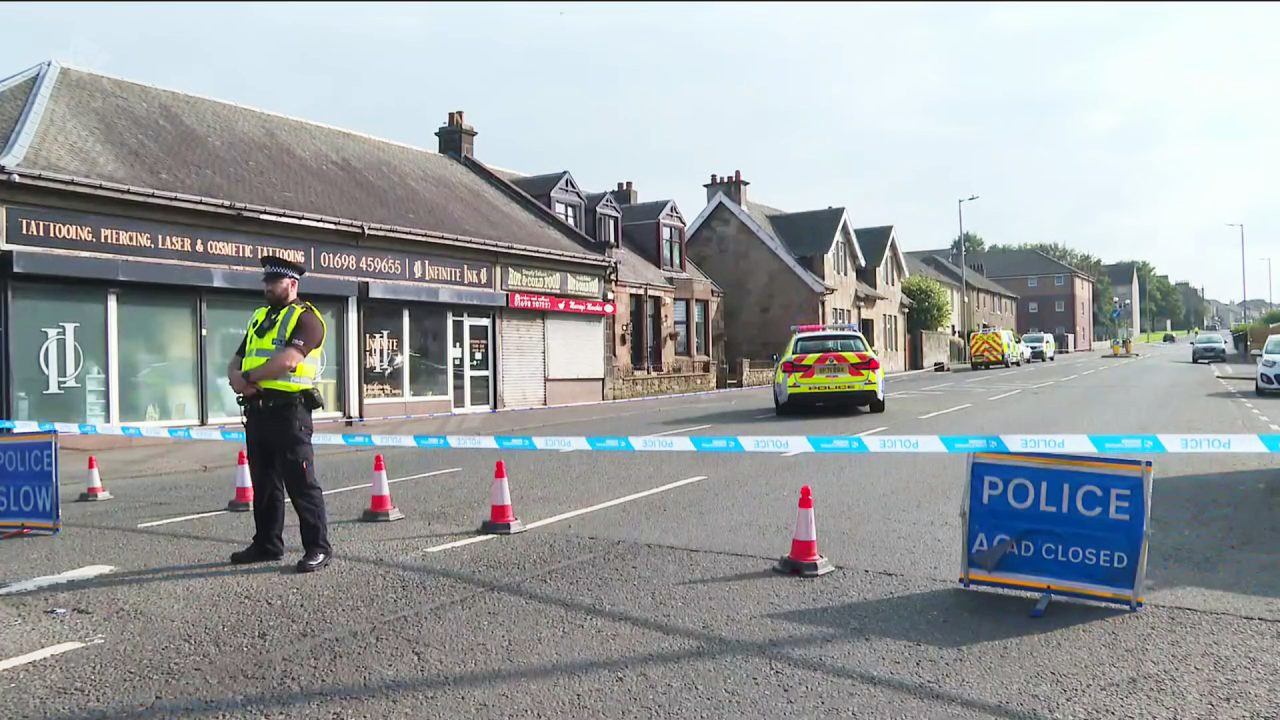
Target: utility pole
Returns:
[1244, 292]
[964, 272]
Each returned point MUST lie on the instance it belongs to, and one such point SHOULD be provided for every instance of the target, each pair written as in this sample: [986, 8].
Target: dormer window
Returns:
[607, 230]
[841, 259]
[567, 212]
[672, 248]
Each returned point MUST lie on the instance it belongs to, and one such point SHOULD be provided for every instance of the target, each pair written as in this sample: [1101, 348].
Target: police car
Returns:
[828, 364]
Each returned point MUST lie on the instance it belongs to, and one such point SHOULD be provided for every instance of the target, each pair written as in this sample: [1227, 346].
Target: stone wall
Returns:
[930, 348]
[621, 388]
[752, 373]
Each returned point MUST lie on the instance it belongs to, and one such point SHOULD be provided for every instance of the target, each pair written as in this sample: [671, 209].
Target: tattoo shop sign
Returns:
[146, 239]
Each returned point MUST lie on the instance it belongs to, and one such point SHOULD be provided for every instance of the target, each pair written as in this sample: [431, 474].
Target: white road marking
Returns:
[1264, 418]
[1089, 372]
[1006, 373]
[680, 430]
[935, 387]
[574, 513]
[50, 651]
[997, 397]
[1256, 411]
[83, 573]
[980, 379]
[944, 412]
[1033, 387]
[1275, 427]
[757, 417]
[1069, 377]
[334, 491]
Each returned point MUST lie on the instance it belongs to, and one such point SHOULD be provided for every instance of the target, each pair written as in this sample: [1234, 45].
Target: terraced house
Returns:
[780, 268]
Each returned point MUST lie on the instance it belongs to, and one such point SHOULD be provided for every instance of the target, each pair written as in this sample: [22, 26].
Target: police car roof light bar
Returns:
[818, 328]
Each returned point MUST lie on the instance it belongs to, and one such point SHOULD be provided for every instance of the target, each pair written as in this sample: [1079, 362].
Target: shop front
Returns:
[121, 319]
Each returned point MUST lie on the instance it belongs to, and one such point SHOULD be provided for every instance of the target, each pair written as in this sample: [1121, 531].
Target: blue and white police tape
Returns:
[1072, 444]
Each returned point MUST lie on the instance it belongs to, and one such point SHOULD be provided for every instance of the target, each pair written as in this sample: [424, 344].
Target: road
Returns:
[647, 591]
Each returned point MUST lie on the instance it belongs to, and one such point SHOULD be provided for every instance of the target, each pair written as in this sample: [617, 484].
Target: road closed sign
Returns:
[29, 483]
[1057, 524]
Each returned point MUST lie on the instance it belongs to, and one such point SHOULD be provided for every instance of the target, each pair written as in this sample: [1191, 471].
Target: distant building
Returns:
[1124, 285]
[992, 303]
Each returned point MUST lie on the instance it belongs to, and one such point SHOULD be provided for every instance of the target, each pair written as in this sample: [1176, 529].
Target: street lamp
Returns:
[1244, 302]
[964, 271]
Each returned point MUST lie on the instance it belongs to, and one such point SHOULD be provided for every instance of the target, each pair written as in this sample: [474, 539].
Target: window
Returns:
[682, 327]
[226, 319]
[1033, 307]
[828, 343]
[1059, 280]
[428, 352]
[566, 212]
[841, 258]
[1059, 306]
[672, 250]
[1031, 282]
[702, 341]
[383, 346]
[607, 230]
[157, 346]
[58, 347]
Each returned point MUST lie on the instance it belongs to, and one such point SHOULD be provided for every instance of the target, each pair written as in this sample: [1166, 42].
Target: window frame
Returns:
[1059, 280]
[1033, 282]
[667, 246]
[1033, 306]
[612, 223]
[1059, 306]
[677, 323]
[702, 335]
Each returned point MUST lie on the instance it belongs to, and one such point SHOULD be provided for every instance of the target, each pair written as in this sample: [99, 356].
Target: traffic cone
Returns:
[380, 507]
[502, 517]
[804, 559]
[95, 491]
[243, 500]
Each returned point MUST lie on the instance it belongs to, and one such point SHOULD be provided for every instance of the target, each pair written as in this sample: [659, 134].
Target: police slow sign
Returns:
[1059, 524]
[29, 482]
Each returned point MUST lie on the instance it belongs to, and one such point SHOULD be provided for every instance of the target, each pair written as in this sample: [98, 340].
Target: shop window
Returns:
[58, 348]
[226, 321]
[330, 380]
[383, 348]
[682, 327]
[700, 328]
[428, 352]
[157, 346]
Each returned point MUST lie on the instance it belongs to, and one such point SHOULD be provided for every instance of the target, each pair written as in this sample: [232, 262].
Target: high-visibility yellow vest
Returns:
[257, 350]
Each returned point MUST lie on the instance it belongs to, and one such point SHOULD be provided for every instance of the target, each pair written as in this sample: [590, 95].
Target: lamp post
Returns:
[964, 272]
[1244, 292]
[1271, 305]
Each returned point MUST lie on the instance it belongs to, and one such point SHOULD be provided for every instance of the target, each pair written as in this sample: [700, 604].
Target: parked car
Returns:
[1209, 347]
[1024, 351]
[1041, 346]
[1268, 377]
[1168, 337]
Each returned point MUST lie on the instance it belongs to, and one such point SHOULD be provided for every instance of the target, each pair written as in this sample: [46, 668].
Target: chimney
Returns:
[734, 188]
[457, 139]
[625, 194]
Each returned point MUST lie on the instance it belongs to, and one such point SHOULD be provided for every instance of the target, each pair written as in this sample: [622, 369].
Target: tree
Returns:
[972, 244]
[931, 303]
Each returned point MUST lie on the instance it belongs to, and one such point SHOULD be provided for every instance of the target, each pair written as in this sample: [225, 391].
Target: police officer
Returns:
[274, 373]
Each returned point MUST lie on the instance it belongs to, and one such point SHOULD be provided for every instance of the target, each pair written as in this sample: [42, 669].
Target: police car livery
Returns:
[828, 364]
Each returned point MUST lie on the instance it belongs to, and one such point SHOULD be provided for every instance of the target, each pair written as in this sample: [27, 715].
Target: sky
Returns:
[1127, 131]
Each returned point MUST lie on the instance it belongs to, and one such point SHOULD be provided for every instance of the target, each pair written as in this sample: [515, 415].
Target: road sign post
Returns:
[1058, 525]
[29, 484]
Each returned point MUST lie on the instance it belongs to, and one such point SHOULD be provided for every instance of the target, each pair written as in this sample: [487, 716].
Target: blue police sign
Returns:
[29, 482]
[1059, 524]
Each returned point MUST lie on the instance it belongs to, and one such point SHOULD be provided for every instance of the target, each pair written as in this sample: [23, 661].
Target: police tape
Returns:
[960, 444]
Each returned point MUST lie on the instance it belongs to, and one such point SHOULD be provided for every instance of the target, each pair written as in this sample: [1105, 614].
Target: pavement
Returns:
[644, 588]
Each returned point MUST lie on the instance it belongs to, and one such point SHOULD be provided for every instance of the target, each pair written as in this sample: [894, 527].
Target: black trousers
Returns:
[278, 435]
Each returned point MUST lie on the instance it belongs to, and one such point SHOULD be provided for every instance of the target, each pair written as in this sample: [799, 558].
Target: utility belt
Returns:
[275, 399]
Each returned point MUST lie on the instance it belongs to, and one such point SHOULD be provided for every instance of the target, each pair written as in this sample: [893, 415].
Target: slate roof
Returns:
[1019, 263]
[1120, 273]
[97, 130]
[874, 241]
[806, 234]
[643, 212]
[930, 263]
[537, 185]
[594, 200]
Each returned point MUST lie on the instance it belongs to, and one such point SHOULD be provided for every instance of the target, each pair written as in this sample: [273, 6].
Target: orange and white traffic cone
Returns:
[95, 491]
[243, 501]
[804, 559]
[380, 507]
[502, 517]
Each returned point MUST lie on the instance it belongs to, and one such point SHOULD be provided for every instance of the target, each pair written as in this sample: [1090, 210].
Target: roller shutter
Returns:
[524, 377]
[575, 347]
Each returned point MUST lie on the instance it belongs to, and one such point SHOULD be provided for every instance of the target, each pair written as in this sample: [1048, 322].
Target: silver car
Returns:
[1209, 347]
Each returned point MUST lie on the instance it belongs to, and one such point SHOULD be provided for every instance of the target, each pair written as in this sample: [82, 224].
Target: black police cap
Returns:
[275, 267]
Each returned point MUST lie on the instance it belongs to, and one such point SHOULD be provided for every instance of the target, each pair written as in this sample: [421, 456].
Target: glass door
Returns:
[471, 363]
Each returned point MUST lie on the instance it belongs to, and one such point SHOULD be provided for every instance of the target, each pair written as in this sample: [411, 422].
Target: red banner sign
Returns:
[548, 303]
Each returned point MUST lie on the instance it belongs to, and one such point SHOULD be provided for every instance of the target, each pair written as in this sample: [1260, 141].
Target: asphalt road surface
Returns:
[647, 591]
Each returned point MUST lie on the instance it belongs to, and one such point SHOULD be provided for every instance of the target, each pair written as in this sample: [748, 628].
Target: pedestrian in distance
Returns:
[273, 374]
